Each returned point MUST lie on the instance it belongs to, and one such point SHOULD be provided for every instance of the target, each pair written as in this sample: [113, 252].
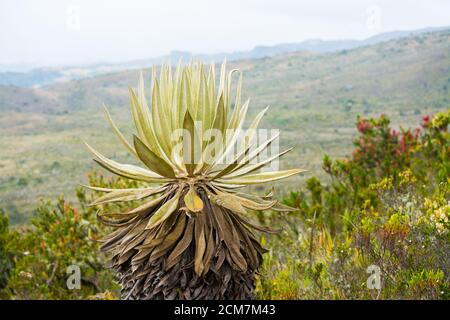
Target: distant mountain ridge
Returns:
[47, 76]
[321, 46]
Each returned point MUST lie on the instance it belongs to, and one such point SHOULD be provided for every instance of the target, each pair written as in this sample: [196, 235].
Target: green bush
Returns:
[60, 237]
[386, 205]
[6, 252]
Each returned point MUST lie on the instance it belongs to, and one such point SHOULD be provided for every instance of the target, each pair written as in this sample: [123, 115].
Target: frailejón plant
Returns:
[190, 238]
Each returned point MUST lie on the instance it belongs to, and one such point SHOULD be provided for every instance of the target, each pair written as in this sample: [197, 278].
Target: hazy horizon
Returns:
[64, 33]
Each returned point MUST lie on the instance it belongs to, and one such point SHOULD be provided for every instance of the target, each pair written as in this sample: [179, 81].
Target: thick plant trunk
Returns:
[179, 283]
[212, 254]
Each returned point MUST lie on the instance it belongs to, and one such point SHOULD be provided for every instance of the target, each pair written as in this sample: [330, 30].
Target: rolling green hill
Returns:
[314, 97]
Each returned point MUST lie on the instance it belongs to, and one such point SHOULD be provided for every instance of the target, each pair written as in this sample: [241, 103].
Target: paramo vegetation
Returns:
[385, 207]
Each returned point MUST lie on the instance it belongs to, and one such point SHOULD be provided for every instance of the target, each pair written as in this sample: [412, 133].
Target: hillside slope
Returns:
[314, 97]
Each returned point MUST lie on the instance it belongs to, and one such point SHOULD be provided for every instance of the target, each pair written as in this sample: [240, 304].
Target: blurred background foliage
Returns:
[386, 204]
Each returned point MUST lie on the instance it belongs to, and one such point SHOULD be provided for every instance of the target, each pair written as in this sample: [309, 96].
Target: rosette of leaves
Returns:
[190, 237]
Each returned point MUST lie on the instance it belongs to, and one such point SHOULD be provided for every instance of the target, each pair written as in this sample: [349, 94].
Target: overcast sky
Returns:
[63, 32]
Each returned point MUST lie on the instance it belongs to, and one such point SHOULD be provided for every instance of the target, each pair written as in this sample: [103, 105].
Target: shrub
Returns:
[60, 236]
[386, 206]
